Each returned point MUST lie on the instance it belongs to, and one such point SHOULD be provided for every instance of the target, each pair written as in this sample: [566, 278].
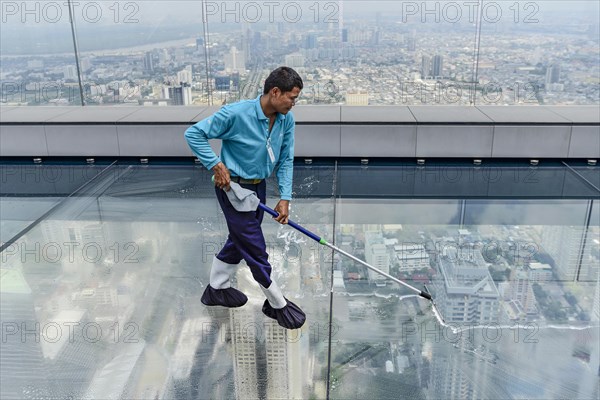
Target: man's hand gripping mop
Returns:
[245, 200]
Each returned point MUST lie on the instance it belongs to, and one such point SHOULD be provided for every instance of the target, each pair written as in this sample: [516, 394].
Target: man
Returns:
[257, 138]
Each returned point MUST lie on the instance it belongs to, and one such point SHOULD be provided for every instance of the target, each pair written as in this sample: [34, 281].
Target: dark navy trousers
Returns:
[246, 240]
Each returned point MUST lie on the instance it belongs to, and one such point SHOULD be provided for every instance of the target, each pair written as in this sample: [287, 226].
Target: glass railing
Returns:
[348, 52]
[100, 294]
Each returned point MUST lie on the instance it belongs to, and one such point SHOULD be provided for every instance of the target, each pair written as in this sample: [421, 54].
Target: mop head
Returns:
[290, 316]
[229, 297]
[243, 200]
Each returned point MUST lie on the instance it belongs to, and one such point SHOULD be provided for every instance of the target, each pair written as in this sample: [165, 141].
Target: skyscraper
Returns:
[341, 20]
[437, 66]
[267, 358]
[235, 60]
[466, 291]
[553, 73]
[185, 76]
[571, 252]
[180, 95]
[245, 353]
[22, 363]
[70, 72]
[285, 373]
[148, 62]
[425, 67]
[310, 41]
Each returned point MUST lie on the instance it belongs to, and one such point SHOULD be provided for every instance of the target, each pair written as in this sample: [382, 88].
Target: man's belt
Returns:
[246, 181]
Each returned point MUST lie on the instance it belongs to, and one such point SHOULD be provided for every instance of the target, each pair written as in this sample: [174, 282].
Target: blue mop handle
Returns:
[291, 223]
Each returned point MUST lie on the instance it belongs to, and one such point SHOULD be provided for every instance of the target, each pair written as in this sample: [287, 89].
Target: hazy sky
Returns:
[153, 12]
[39, 27]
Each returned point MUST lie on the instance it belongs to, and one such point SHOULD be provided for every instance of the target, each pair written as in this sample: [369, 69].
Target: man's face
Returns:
[284, 101]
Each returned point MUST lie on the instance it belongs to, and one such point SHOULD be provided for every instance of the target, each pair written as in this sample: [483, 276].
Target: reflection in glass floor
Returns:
[101, 285]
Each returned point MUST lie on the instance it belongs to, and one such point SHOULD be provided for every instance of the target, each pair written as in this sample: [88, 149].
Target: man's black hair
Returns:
[284, 78]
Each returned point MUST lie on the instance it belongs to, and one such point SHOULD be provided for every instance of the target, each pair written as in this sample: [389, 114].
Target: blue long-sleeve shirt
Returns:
[244, 131]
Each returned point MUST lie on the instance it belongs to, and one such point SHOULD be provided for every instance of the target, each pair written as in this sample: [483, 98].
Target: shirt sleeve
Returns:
[217, 126]
[285, 164]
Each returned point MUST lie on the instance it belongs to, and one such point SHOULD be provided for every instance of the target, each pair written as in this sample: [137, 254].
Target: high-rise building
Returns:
[375, 37]
[377, 255]
[266, 349]
[24, 372]
[285, 373]
[348, 52]
[450, 380]
[86, 63]
[437, 66]
[245, 354]
[572, 254]
[539, 272]
[294, 60]
[340, 20]
[466, 290]
[553, 74]
[118, 378]
[521, 290]
[180, 95]
[164, 57]
[70, 72]
[185, 76]
[222, 82]
[72, 359]
[235, 60]
[425, 67]
[310, 41]
[149, 62]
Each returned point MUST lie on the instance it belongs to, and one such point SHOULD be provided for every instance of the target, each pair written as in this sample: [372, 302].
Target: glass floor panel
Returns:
[29, 191]
[101, 285]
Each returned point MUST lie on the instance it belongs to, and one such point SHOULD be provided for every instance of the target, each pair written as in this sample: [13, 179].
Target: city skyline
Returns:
[360, 61]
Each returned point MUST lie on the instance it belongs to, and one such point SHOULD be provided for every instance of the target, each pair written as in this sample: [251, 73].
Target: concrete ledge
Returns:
[321, 131]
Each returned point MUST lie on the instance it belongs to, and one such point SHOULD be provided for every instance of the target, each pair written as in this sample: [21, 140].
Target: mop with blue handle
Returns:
[245, 200]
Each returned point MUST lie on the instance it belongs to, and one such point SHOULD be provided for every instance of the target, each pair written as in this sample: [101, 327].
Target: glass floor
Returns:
[103, 267]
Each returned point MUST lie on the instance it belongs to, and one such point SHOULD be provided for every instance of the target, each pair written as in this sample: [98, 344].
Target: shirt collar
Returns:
[259, 111]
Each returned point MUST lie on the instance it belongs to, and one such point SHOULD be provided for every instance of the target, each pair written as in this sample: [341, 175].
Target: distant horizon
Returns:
[139, 36]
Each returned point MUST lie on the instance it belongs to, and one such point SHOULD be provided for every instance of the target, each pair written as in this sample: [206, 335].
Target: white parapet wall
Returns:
[563, 132]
